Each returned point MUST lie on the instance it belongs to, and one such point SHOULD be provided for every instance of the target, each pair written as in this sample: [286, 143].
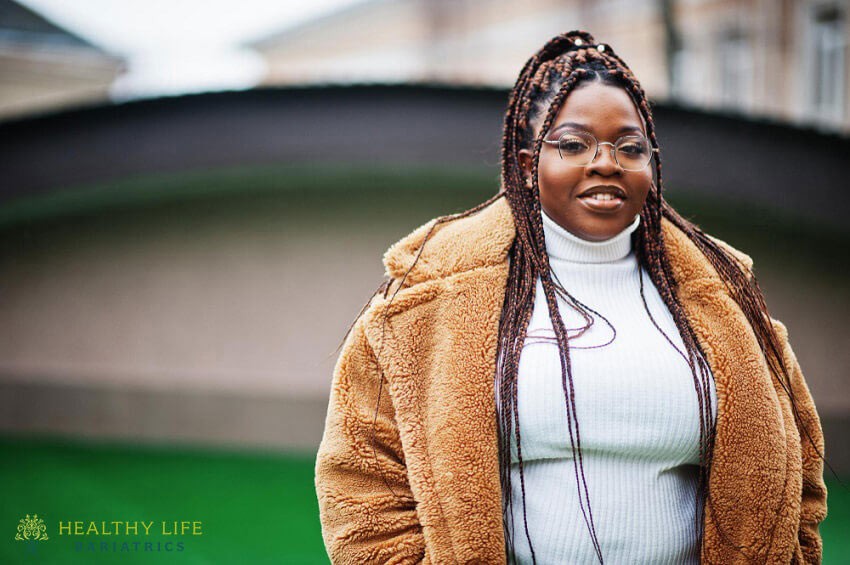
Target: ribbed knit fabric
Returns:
[638, 417]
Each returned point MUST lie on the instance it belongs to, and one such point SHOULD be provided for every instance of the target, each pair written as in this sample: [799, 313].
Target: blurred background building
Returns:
[785, 59]
[777, 59]
[46, 67]
[182, 248]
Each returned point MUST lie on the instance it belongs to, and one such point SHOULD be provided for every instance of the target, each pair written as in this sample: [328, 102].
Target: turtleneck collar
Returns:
[561, 244]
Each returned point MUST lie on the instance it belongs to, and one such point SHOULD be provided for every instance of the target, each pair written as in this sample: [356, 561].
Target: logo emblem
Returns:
[31, 529]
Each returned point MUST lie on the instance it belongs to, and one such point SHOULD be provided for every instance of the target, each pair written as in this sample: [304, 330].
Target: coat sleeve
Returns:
[362, 519]
[813, 506]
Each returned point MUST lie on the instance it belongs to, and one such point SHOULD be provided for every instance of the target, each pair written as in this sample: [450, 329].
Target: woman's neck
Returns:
[564, 245]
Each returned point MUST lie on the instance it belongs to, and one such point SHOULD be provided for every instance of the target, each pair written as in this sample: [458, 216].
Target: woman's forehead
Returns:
[599, 108]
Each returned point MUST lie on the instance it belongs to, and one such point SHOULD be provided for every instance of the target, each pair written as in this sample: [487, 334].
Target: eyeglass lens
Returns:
[632, 152]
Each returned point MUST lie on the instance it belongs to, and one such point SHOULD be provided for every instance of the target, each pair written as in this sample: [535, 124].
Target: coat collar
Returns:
[485, 238]
[438, 353]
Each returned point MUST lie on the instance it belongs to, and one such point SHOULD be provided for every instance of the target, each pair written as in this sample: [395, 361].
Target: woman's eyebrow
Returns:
[585, 128]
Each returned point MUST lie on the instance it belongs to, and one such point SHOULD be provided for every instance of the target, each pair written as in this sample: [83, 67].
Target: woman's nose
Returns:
[604, 161]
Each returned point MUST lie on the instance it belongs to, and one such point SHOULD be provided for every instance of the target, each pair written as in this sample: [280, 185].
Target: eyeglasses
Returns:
[579, 149]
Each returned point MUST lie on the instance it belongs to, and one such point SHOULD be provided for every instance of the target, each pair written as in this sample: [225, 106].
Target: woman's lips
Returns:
[595, 205]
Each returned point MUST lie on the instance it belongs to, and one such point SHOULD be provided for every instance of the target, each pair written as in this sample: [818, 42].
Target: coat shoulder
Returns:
[445, 246]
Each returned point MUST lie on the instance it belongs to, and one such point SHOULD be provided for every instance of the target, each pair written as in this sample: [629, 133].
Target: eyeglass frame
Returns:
[613, 150]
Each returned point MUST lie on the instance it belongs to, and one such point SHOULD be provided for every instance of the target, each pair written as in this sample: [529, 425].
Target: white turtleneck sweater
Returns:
[638, 417]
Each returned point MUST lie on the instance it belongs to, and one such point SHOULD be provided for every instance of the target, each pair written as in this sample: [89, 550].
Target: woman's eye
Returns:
[573, 146]
[633, 149]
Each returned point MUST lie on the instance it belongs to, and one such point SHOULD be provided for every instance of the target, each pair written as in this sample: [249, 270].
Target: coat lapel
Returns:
[438, 348]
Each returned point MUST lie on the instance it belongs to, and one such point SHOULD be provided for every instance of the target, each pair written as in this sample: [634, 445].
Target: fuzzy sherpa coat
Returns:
[433, 495]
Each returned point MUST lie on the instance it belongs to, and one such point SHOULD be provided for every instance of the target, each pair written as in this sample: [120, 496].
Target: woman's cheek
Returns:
[559, 178]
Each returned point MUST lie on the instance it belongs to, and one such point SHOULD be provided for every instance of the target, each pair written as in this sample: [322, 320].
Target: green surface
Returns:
[255, 507]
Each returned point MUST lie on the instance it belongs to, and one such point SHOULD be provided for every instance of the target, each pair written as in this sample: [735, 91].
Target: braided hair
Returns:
[543, 84]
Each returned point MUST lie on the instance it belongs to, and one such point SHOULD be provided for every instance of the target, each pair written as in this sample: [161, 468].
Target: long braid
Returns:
[558, 68]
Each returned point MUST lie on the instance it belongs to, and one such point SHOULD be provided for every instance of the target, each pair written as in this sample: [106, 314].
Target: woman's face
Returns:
[608, 113]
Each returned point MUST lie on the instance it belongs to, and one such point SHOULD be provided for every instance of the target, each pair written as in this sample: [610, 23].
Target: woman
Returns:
[518, 391]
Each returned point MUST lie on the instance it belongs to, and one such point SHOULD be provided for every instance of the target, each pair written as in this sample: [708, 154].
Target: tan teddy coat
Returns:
[436, 438]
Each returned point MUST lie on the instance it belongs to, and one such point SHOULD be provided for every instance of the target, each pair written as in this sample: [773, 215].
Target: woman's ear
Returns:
[526, 158]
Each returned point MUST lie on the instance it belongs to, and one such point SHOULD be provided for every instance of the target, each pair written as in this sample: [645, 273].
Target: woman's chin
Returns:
[598, 228]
